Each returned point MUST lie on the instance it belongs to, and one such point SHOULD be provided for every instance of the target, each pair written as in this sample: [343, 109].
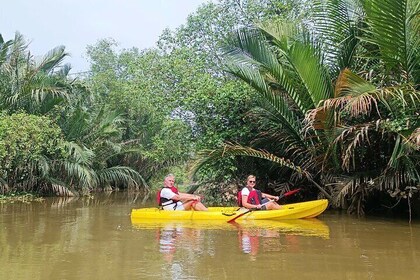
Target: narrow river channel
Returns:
[96, 239]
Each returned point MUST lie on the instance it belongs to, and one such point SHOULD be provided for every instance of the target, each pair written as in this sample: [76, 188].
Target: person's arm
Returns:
[249, 205]
[269, 196]
[186, 196]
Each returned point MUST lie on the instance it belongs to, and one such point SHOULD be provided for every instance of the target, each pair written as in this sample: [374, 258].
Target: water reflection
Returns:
[95, 199]
[94, 238]
[172, 236]
[253, 236]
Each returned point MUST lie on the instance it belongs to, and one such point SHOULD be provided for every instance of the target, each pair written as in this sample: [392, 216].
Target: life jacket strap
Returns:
[168, 202]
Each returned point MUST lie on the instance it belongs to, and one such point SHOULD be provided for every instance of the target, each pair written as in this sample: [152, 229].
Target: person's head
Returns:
[169, 180]
[250, 181]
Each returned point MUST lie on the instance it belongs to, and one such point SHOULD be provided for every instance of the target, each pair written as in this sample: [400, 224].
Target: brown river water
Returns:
[96, 239]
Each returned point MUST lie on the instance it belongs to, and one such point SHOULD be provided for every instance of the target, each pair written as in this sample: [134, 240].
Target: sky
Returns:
[78, 23]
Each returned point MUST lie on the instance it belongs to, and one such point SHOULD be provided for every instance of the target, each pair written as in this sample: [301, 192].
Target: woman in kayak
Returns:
[251, 198]
[171, 199]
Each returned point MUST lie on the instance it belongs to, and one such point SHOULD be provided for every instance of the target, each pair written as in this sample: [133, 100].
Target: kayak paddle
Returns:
[249, 210]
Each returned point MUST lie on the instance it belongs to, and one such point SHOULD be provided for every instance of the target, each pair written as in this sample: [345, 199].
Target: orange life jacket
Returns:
[164, 201]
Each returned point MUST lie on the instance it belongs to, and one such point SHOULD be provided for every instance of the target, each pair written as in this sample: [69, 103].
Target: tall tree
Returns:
[42, 87]
[302, 73]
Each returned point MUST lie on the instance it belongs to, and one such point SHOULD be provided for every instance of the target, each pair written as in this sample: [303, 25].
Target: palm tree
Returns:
[312, 106]
[30, 84]
[93, 142]
[90, 133]
[376, 107]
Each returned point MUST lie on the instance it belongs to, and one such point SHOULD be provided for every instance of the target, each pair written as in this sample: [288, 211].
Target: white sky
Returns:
[78, 23]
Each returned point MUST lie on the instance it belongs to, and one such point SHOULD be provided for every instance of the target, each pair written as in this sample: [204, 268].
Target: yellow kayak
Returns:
[309, 209]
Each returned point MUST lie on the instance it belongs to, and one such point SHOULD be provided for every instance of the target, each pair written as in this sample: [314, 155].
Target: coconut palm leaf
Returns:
[229, 149]
[405, 159]
[356, 96]
[33, 86]
[252, 76]
[394, 27]
[52, 60]
[336, 28]
[253, 61]
[305, 59]
[4, 49]
[359, 134]
[250, 49]
[120, 175]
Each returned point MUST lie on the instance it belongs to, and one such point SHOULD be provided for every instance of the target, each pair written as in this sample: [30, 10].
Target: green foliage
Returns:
[216, 107]
[29, 84]
[90, 132]
[321, 120]
[166, 121]
[325, 92]
[207, 30]
[152, 136]
[26, 141]
[33, 136]
[19, 197]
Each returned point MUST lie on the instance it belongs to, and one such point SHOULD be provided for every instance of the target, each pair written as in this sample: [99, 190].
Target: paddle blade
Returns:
[240, 215]
[290, 192]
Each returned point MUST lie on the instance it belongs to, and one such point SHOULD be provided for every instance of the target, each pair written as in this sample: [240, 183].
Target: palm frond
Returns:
[335, 24]
[121, 175]
[272, 112]
[4, 49]
[396, 36]
[353, 95]
[415, 138]
[342, 191]
[360, 135]
[253, 77]
[78, 174]
[51, 60]
[307, 63]
[404, 160]
[77, 153]
[253, 52]
[358, 97]
[32, 86]
[230, 149]
[399, 97]
[254, 62]
[77, 167]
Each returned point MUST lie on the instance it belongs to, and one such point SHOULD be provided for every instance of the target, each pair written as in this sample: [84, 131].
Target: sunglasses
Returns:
[251, 181]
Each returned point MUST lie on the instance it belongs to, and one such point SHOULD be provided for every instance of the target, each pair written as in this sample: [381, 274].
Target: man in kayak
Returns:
[171, 199]
[251, 198]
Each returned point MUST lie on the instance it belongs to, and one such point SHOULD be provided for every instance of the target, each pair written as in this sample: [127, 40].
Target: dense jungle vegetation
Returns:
[322, 95]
